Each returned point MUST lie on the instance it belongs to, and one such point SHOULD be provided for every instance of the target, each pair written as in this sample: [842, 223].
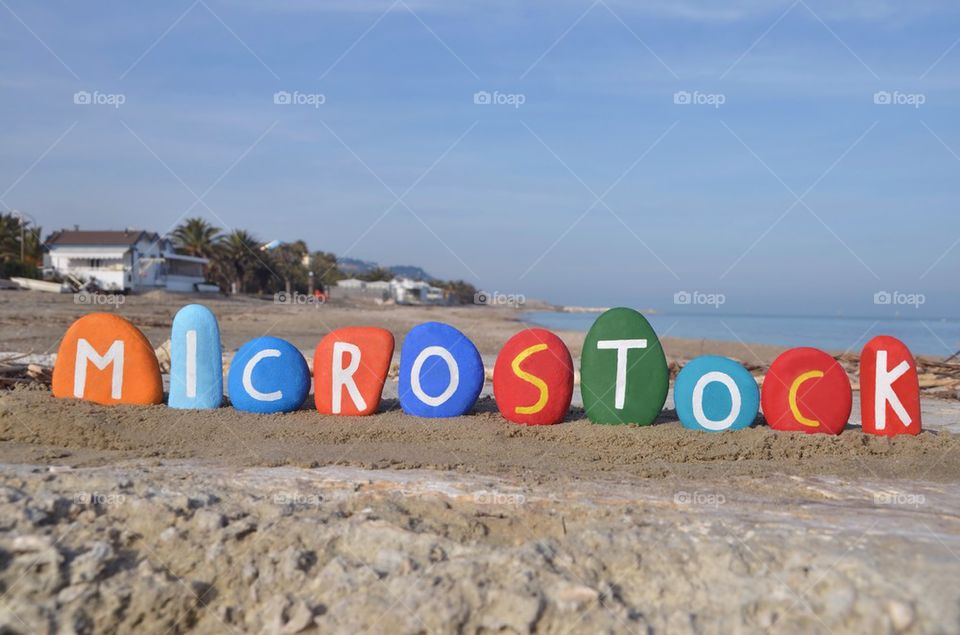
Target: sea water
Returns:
[939, 337]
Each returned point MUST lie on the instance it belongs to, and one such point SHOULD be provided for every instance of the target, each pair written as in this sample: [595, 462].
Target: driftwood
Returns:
[14, 374]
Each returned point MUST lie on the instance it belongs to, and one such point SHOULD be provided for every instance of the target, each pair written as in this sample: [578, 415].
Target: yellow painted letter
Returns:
[533, 379]
[813, 423]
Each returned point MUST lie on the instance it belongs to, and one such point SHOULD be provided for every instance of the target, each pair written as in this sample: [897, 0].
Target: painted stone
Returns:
[533, 378]
[196, 361]
[105, 359]
[623, 372]
[889, 388]
[715, 394]
[806, 390]
[350, 366]
[268, 375]
[441, 373]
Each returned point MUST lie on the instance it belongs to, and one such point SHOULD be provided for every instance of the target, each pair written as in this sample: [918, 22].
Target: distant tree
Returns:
[378, 273]
[21, 250]
[289, 262]
[196, 237]
[462, 292]
[325, 270]
[237, 260]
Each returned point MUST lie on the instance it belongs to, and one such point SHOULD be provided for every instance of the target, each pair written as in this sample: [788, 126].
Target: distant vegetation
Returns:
[21, 249]
[240, 262]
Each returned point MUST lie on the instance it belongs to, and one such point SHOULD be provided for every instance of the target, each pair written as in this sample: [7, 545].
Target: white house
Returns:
[129, 260]
[351, 283]
[407, 291]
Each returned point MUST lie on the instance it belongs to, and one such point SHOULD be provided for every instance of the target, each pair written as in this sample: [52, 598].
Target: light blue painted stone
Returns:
[723, 383]
[435, 391]
[196, 361]
[277, 381]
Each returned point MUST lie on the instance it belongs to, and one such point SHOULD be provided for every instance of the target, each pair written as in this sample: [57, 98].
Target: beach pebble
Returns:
[714, 394]
[533, 378]
[88, 565]
[889, 388]
[105, 359]
[350, 366]
[268, 375]
[901, 615]
[441, 372]
[623, 371]
[806, 390]
[196, 361]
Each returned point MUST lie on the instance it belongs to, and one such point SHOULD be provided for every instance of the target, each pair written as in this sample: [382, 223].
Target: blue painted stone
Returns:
[432, 349]
[278, 380]
[729, 398]
[196, 361]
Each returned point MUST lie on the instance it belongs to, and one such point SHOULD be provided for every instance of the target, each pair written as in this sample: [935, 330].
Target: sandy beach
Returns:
[162, 521]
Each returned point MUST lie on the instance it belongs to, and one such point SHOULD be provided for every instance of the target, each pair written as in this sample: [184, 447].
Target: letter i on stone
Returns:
[350, 366]
[196, 361]
[889, 388]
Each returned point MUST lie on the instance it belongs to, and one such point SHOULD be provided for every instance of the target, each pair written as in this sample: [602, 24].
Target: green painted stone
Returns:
[645, 378]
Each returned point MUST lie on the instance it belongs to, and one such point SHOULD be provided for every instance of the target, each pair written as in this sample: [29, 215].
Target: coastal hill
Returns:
[356, 266]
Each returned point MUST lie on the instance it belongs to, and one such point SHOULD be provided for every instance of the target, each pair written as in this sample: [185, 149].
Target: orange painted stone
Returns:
[889, 388]
[806, 390]
[105, 359]
[350, 366]
[533, 378]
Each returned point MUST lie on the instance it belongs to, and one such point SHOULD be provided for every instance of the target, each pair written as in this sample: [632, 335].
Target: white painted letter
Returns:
[343, 377]
[192, 363]
[702, 383]
[425, 354]
[884, 392]
[86, 353]
[621, 346]
[248, 376]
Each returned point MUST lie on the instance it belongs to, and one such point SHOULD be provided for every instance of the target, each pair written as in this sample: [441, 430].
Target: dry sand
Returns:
[155, 520]
[35, 427]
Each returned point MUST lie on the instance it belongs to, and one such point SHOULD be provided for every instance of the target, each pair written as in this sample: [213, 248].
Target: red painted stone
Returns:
[533, 378]
[889, 388]
[806, 390]
[350, 366]
[105, 359]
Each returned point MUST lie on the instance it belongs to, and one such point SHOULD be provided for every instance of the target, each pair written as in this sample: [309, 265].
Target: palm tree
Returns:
[9, 238]
[21, 251]
[196, 237]
[323, 266]
[288, 261]
[235, 259]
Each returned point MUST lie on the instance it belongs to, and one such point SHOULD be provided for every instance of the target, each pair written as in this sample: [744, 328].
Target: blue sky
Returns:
[784, 186]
